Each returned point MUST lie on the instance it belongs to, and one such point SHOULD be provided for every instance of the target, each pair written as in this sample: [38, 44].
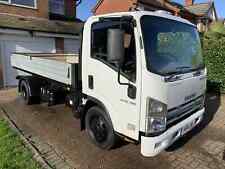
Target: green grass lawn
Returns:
[13, 153]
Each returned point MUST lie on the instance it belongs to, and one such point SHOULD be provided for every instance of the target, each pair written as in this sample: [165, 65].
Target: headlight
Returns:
[155, 117]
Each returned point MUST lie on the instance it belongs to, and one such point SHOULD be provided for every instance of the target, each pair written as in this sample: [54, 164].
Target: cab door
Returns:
[101, 77]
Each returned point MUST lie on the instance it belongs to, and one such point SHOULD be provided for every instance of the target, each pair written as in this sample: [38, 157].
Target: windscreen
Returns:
[171, 46]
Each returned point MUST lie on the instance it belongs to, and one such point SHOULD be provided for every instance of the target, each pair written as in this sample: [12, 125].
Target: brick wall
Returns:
[189, 2]
[109, 6]
[41, 11]
[70, 9]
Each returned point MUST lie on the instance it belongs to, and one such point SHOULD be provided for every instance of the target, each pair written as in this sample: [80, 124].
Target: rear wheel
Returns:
[25, 92]
[99, 128]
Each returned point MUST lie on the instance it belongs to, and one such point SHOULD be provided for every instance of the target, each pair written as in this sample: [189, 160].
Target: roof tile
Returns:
[199, 9]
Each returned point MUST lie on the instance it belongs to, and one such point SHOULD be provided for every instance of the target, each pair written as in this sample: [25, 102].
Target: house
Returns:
[36, 26]
[108, 6]
[201, 14]
[205, 13]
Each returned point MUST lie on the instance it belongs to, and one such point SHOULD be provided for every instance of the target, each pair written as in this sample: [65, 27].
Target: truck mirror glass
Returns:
[115, 46]
[131, 91]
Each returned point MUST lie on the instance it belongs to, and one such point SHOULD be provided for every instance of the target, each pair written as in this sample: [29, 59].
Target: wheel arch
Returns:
[91, 102]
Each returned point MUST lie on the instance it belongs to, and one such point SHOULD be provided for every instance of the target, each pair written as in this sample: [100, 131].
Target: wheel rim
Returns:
[99, 128]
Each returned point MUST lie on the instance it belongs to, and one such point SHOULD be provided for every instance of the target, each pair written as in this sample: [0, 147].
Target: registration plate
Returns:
[187, 128]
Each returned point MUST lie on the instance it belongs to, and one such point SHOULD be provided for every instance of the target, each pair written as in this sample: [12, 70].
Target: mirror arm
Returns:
[132, 90]
[119, 73]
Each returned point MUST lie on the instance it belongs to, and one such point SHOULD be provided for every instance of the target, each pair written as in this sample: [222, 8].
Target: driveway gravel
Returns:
[203, 148]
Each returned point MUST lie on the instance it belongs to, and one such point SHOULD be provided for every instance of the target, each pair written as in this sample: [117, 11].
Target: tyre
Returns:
[99, 128]
[25, 92]
[76, 112]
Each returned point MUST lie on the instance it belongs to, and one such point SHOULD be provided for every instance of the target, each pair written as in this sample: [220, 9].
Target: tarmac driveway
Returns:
[203, 148]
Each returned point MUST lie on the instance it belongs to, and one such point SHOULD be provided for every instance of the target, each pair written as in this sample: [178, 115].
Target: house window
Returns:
[57, 7]
[6, 1]
[25, 3]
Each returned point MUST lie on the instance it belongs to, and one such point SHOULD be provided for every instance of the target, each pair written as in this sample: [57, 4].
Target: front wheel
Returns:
[99, 128]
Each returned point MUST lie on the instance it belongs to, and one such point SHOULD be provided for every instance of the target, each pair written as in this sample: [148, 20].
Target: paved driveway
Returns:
[202, 149]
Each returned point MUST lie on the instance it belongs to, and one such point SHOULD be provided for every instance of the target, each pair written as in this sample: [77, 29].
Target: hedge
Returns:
[214, 56]
[217, 27]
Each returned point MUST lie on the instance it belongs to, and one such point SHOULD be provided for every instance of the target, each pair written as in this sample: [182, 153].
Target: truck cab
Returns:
[147, 71]
[139, 76]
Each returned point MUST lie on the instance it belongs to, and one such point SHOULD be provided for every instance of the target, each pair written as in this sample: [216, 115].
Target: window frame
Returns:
[105, 62]
[9, 2]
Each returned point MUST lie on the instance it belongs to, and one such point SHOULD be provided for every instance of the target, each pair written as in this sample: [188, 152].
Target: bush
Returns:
[214, 56]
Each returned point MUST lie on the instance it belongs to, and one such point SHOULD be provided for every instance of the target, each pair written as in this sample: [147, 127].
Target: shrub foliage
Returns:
[214, 56]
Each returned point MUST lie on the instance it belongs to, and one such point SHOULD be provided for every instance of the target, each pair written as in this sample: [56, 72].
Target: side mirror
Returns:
[131, 91]
[115, 46]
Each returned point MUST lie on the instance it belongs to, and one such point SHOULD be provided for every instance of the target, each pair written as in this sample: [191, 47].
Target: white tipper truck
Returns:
[138, 76]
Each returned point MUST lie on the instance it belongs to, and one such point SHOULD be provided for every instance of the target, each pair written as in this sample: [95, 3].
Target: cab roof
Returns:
[139, 14]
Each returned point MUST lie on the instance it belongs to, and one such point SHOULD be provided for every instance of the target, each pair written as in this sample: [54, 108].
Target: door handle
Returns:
[90, 82]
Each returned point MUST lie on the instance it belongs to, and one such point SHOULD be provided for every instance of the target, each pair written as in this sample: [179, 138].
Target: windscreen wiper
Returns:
[172, 76]
[183, 68]
[176, 75]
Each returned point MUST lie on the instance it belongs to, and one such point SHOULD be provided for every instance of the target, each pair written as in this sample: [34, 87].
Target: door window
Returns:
[99, 46]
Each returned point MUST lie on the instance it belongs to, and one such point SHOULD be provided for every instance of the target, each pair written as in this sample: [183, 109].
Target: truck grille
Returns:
[177, 114]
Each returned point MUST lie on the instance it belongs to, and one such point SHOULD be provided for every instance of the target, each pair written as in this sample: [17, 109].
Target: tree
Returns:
[218, 27]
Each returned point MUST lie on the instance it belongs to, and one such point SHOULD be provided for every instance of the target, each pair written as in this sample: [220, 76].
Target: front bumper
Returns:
[151, 146]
